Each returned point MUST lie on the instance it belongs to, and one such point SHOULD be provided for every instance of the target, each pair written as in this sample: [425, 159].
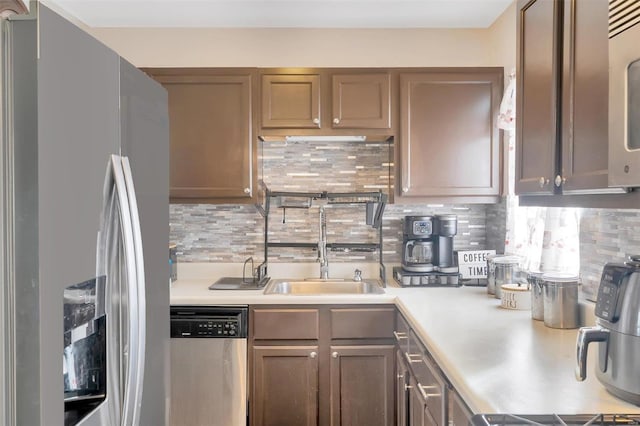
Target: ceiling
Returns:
[286, 13]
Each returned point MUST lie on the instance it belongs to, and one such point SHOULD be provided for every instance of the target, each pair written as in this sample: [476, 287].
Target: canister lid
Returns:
[559, 277]
[514, 287]
[507, 259]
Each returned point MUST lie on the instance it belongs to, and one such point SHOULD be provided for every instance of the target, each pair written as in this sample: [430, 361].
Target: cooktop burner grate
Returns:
[552, 419]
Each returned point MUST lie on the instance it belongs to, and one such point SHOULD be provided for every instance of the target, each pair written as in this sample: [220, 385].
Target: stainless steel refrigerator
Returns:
[84, 229]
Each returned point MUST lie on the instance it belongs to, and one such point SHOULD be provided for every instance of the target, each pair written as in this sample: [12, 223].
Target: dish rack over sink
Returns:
[374, 204]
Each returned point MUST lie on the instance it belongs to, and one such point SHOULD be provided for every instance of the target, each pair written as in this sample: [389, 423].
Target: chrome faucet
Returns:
[322, 245]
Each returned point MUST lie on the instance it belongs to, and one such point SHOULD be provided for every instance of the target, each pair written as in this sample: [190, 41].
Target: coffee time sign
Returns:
[472, 264]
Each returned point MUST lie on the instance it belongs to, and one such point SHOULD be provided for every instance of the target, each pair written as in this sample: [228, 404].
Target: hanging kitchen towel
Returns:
[507, 115]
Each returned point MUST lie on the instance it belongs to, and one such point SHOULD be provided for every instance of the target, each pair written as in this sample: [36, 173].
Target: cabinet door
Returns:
[537, 130]
[361, 101]
[211, 132]
[362, 385]
[449, 142]
[291, 101]
[418, 413]
[460, 414]
[585, 92]
[285, 386]
[402, 390]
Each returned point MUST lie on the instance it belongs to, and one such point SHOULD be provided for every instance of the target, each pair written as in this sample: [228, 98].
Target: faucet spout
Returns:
[322, 245]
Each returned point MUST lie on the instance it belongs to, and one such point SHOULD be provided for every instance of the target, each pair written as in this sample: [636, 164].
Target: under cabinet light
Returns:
[325, 138]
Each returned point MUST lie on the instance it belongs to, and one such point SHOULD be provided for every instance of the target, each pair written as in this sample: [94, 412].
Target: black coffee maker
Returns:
[445, 227]
[417, 244]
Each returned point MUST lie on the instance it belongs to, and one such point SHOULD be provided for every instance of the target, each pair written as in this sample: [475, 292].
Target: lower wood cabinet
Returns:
[333, 367]
[285, 385]
[423, 394]
[402, 390]
[362, 385]
[459, 414]
[419, 414]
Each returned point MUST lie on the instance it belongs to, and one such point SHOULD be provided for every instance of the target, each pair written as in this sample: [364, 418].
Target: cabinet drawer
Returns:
[358, 323]
[401, 333]
[285, 324]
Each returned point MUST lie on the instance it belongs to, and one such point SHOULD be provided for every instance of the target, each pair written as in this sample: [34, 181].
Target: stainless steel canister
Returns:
[507, 271]
[491, 277]
[560, 300]
[534, 278]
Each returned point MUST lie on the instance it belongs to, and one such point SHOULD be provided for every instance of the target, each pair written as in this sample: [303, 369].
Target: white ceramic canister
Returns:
[515, 296]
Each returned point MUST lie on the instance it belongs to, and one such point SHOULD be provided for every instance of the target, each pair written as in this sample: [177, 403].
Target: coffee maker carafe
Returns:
[445, 227]
[417, 244]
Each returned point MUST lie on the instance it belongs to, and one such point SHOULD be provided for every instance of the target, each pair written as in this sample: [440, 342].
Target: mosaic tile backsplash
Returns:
[321, 166]
[606, 235]
[214, 233]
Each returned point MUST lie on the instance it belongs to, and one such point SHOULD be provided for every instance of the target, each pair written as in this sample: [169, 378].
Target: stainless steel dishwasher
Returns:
[208, 366]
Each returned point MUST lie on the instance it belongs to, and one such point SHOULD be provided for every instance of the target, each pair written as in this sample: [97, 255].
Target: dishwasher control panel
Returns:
[187, 322]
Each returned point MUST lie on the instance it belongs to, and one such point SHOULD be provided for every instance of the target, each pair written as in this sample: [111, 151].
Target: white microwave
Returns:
[624, 93]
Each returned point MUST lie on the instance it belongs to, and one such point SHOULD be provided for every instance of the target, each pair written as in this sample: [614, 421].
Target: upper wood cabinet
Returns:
[537, 96]
[585, 92]
[361, 101]
[562, 75]
[449, 144]
[291, 101]
[325, 101]
[212, 131]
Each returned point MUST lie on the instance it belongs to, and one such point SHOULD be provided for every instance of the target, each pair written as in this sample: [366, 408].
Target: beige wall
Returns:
[502, 40]
[300, 47]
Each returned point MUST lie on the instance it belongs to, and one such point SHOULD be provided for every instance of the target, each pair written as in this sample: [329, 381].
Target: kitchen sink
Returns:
[318, 286]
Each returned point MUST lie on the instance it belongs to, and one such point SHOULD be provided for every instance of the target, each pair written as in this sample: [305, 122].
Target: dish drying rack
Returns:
[374, 203]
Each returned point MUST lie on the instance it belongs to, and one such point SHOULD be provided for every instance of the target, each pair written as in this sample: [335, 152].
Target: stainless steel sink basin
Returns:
[321, 287]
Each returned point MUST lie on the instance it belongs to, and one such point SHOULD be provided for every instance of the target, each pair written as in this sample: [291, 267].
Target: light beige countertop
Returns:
[500, 361]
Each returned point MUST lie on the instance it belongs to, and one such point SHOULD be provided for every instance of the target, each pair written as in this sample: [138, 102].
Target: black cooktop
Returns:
[552, 419]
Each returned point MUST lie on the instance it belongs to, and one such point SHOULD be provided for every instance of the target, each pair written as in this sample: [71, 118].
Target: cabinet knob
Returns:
[559, 181]
[247, 191]
[336, 121]
[313, 354]
[316, 120]
[405, 189]
[542, 182]
[334, 354]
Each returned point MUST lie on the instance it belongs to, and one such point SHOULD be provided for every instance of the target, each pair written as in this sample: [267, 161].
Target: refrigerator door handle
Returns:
[140, 288]
[130, 410]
